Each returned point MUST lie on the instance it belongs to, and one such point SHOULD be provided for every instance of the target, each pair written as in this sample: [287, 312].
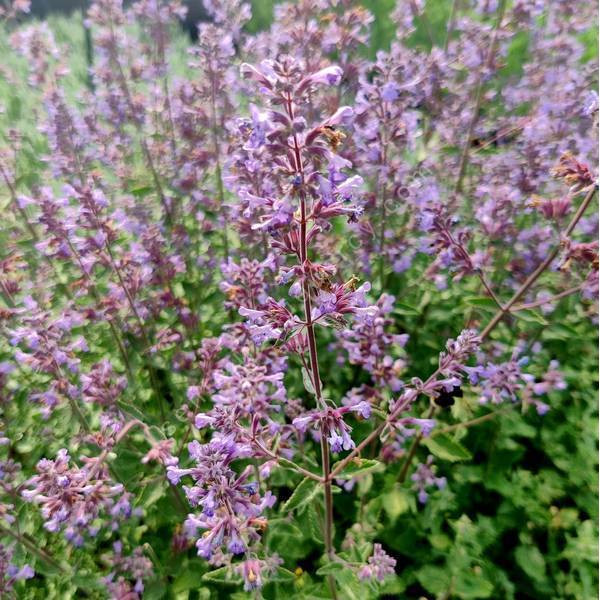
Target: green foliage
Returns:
[444, 447]
[359, 468]
[303, 495]
[262, 15]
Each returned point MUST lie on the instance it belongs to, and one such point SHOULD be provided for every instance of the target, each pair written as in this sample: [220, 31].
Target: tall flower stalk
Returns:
[319, 190]
[310, 329]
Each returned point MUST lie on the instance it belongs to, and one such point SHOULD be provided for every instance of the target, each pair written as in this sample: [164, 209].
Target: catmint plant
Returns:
[302, 306]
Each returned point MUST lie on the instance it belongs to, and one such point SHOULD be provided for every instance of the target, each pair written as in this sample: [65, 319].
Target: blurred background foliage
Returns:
[383, 29]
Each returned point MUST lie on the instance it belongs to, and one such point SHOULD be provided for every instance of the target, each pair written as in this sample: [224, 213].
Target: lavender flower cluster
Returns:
[209, 272]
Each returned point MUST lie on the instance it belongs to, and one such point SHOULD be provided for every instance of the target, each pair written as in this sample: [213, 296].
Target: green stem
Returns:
[312, 348]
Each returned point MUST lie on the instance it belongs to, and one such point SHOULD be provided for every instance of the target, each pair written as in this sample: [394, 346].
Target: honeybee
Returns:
[333, 136]
[325, 283]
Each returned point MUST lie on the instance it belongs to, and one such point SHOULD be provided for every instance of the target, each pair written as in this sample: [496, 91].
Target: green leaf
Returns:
[406, 309]
[358, 467]
[151, 493]
[360, 552]
[530, 316]
[396, 503]
[283, 574]
[141, 191]
[331, 568]
[444, 447]
[47, 568]
[312, 520]
[483, 303]
[440, 541]
[435, 580]
[349, 584]
[583, 546]
[471, 585]
[190, 579]
[128, 464]
[154, 590]
[364, 485]
[307, 381]
[85, 580]
[284, 463]
[131, 411]
[287, 539]
[305, 493]
[559, 331]
[392, 586]
[531, 560]
[222, 575]
[157, 433]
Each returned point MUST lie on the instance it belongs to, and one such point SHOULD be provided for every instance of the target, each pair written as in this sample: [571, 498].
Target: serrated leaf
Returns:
[349, 584]
[362, 466]
[331, 568]
[359, 552]
[287, 539]
[530, 316]
[483, 303]
[405, 309]
[307, 381]
[305, 493]
[444, 447]
[312, 520]
[222, 575]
